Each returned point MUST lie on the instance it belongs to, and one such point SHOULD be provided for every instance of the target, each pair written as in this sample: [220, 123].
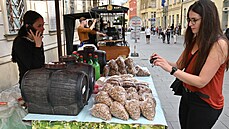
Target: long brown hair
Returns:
[209, 33]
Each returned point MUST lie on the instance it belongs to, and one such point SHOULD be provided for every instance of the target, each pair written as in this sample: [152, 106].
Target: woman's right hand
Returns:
[160, 61]
[37, 37]
[153, 58]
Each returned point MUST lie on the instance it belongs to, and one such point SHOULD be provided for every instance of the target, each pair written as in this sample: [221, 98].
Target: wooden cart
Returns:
[117, 46]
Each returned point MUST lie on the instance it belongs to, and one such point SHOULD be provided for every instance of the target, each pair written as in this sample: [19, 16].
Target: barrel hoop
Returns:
[48, 91]
[22, 84]
[84, 74]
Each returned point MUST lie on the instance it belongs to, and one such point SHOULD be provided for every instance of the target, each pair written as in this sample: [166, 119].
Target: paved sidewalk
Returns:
[162, 79]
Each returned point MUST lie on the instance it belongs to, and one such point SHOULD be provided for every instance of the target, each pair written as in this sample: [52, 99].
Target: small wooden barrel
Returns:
[55, 91]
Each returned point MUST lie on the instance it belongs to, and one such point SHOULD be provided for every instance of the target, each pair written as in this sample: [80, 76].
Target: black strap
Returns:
[201, 95]
[190, 59]
[197, 92]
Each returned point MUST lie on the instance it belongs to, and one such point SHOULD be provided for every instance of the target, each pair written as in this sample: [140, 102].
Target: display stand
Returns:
[85, 119]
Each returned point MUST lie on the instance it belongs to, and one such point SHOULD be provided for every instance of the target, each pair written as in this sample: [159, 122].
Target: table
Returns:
[109, 42]
[85, 120]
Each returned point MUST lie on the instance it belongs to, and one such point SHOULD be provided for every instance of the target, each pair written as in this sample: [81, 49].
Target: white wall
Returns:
[8, 70]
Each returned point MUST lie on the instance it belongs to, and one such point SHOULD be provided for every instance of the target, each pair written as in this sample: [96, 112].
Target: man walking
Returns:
[168, 30]
[147, 32]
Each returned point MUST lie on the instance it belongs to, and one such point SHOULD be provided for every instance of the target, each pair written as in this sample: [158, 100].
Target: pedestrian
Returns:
[83, 31]
[227, 33]
[172, 30]
[147, 33]
[159, 32]
[154, 30]
[163, 34]
[92, 35]
[168, 31]
[205, 57]
[27, 49]
[175, 35]
[179, 28]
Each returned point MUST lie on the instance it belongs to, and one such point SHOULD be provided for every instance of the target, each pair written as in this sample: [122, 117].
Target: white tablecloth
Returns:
[85, 116]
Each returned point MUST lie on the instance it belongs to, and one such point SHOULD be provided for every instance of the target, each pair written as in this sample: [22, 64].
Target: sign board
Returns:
[135, 34]
[135, 21]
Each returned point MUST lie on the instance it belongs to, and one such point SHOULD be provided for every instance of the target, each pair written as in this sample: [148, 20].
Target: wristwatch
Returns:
[174, 69]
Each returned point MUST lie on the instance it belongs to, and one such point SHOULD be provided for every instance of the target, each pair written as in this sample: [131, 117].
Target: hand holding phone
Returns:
[37, 36]
[152, 60]
[30, 27]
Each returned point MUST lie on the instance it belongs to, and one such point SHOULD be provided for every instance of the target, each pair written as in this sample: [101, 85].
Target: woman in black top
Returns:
[27, 50]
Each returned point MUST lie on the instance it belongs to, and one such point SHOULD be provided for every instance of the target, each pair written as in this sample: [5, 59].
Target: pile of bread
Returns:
[123, 97]
[121, 66]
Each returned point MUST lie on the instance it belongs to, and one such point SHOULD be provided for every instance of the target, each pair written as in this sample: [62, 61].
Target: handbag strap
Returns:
[196, 92]
[190, 59]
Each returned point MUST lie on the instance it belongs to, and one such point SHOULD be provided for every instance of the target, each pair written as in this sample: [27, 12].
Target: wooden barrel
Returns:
[76, 66]
[55, 91]
[88, 69]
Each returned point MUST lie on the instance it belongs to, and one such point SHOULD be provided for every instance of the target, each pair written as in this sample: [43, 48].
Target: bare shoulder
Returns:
[223, 45]
[220, 49]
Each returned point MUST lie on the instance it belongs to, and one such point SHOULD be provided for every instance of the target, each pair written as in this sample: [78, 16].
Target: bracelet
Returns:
[174, 69]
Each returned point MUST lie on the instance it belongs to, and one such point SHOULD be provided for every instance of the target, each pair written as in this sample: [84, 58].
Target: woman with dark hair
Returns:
[205, 59]
[27, 50]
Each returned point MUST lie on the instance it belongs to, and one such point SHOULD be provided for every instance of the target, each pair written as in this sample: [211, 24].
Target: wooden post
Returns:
[58, 29]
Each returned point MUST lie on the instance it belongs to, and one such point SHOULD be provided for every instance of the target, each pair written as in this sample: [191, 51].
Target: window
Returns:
[185, 17]
[172, 22]
[226, 3]
[177, 23]
[71, 6]
[15, 12]
[152, 4]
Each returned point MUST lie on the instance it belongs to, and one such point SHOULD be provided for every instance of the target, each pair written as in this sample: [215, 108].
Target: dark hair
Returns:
[29, 18]
[206, 36]
[82, 19]
[89, 22]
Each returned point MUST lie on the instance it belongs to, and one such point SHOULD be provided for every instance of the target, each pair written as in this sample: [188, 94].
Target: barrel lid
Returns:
[67, 58]
[55, 65]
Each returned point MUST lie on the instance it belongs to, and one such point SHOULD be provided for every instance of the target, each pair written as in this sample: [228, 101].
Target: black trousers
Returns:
[168, 38]
[194, 113]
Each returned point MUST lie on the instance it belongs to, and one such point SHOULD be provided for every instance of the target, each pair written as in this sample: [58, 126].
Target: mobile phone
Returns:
[152, 60]
[30, 27]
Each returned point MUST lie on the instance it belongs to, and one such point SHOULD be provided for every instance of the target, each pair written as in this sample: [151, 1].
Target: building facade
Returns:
[174, 12]
[132, 8]
[11, 14]
[148, 12]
